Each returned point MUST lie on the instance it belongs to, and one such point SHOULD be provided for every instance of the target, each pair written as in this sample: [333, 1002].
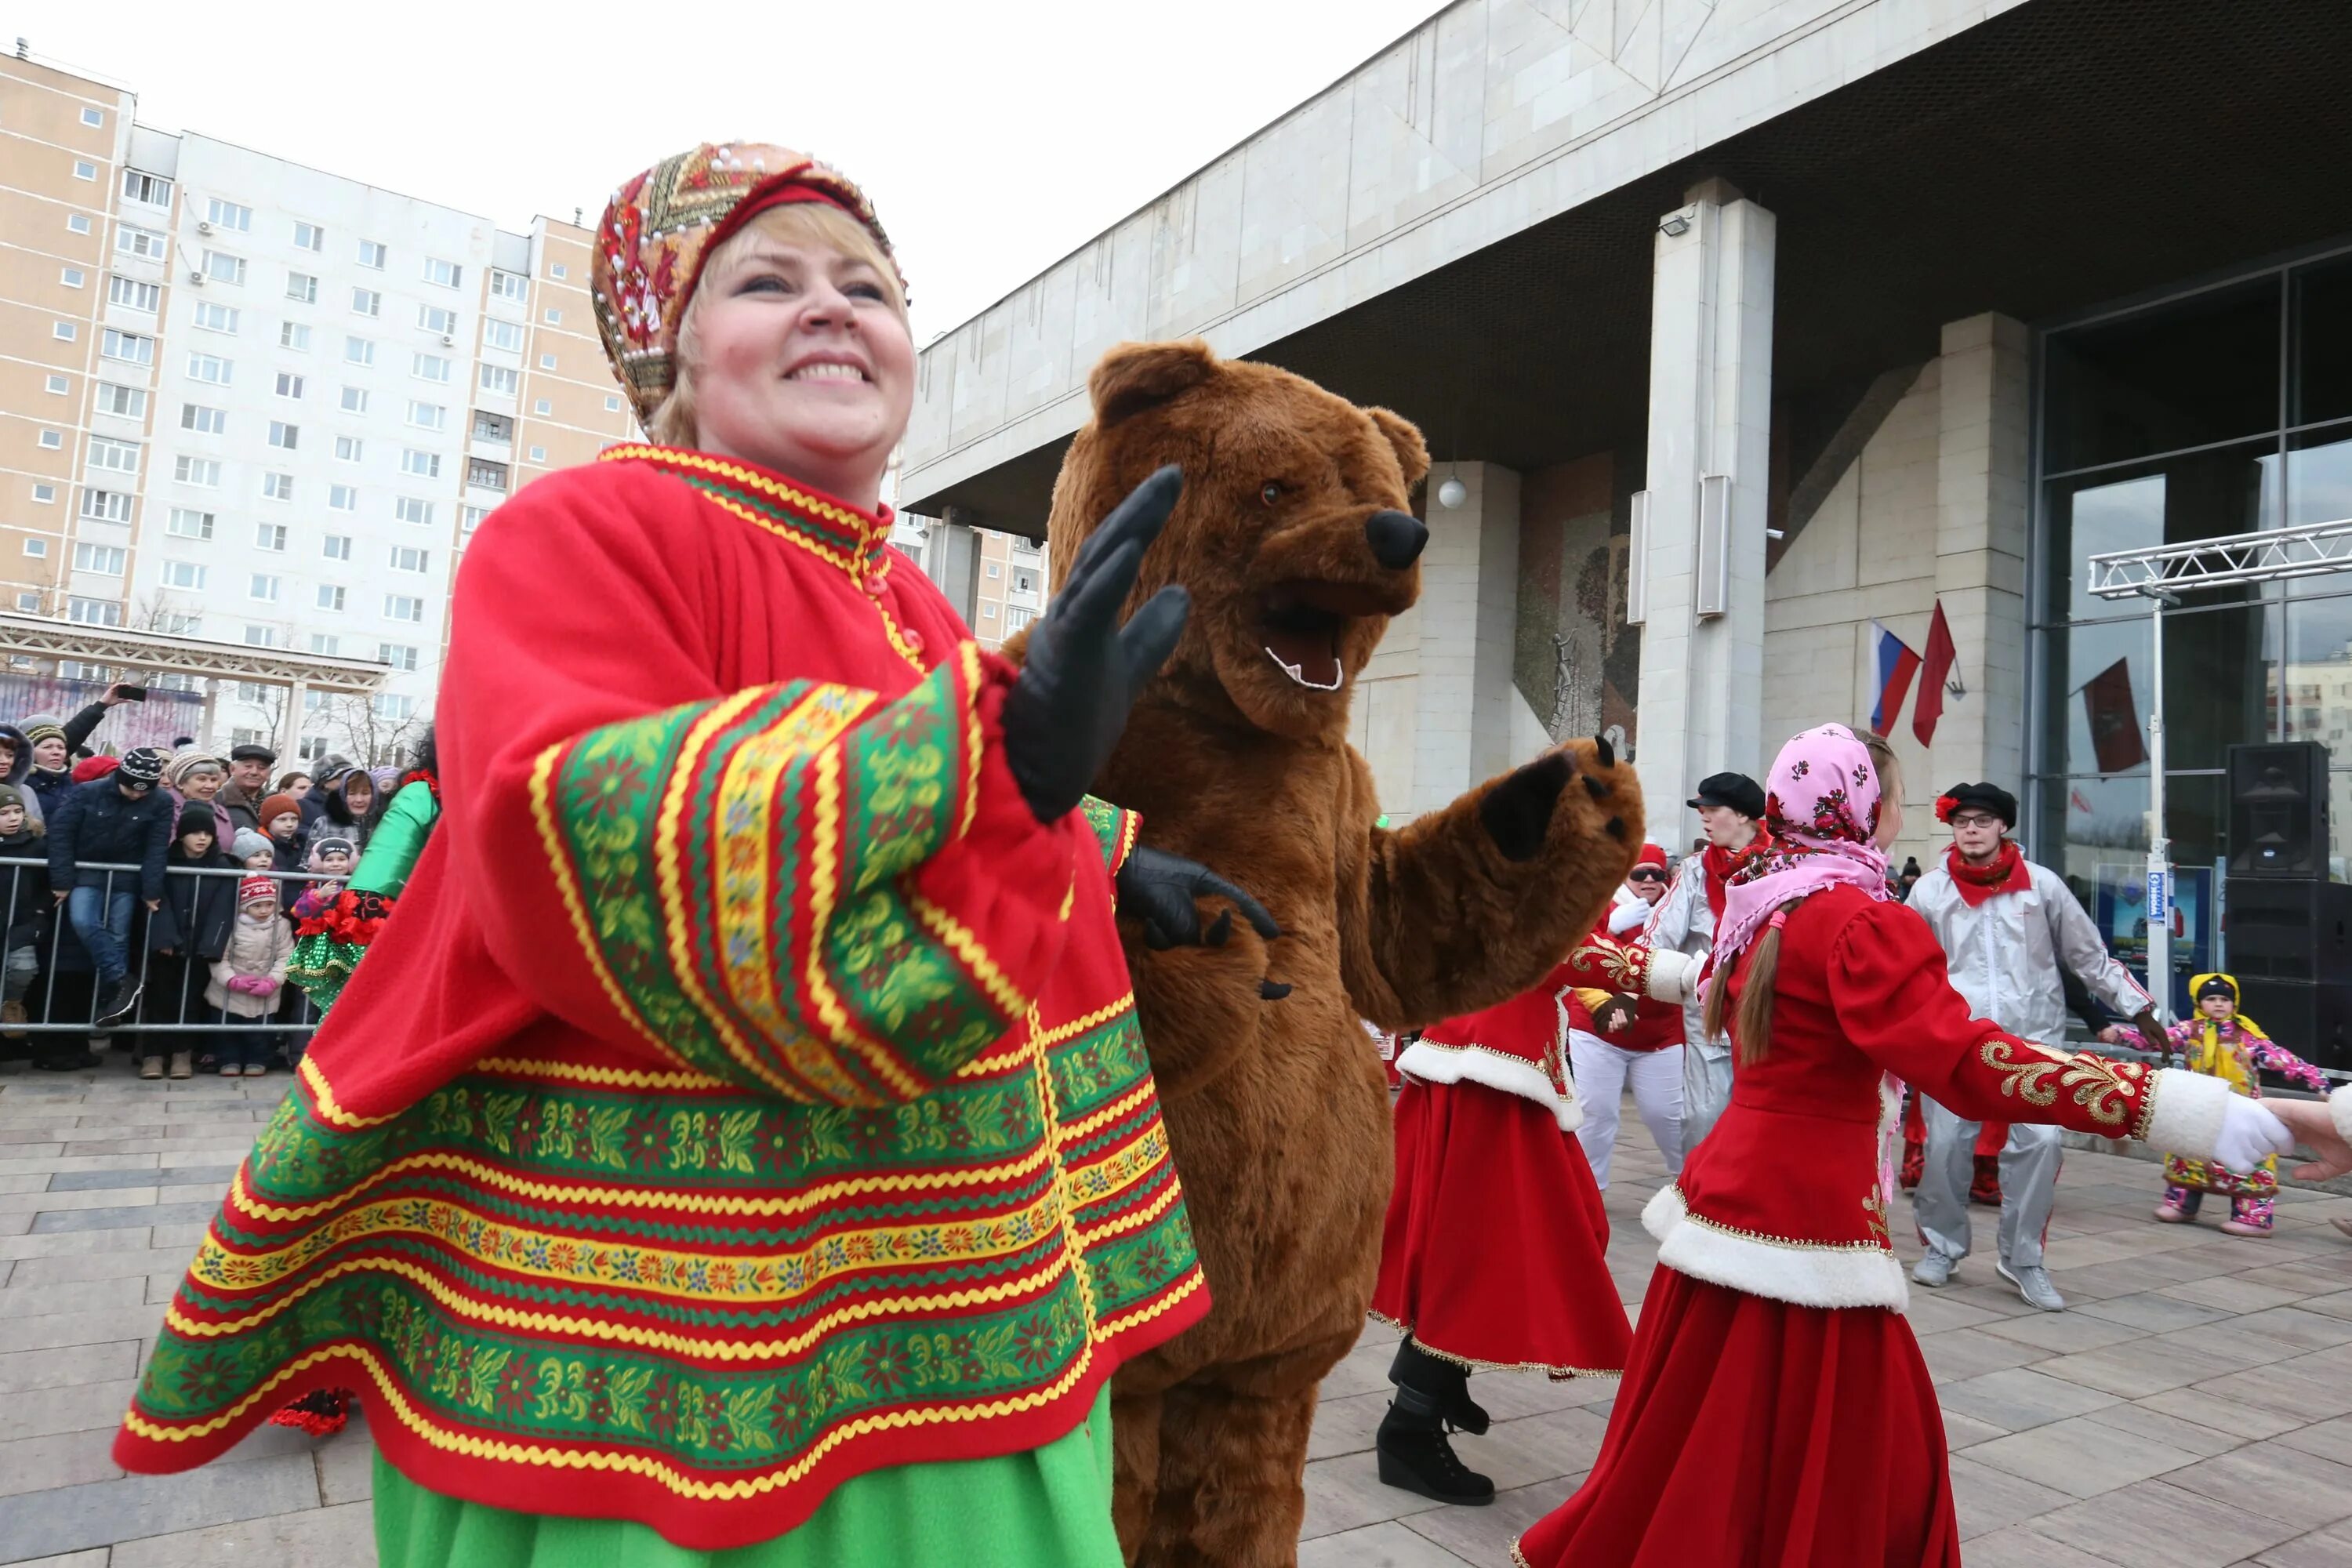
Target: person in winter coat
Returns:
[25, 899]
[189, 931]
[16, 769]
[281, 824]
[249, 785]
[254, 852]
[55, 744]
[340, 806]
[114, 819]
[246, 977]
[331, 856]
[196, 777]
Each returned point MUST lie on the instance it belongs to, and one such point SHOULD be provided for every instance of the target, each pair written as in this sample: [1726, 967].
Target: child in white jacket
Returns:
[246, 977]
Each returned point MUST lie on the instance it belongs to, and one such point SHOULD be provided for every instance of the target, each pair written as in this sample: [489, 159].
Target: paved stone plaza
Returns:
[2194, 1410]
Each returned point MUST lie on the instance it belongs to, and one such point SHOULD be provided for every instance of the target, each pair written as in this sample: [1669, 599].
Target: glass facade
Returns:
[2221, 411]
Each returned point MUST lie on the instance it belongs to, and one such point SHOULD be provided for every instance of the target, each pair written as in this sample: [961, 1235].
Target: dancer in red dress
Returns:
[1493, 1256]
[1775, 1409]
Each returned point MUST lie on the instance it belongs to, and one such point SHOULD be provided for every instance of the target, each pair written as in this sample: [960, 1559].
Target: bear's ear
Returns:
[1413, 453]
[1133, 377]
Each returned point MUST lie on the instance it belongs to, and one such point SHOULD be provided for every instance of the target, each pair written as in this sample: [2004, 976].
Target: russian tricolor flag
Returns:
[1896, 665]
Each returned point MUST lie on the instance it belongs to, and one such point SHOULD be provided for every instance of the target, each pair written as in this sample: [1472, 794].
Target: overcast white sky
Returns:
[993, 138]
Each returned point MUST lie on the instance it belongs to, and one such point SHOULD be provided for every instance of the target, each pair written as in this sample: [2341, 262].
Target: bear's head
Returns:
[1295, 534]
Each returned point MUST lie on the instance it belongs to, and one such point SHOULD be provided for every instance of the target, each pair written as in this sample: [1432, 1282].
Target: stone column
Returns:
[1983, 479]
[1710, 425]
[1469, 611]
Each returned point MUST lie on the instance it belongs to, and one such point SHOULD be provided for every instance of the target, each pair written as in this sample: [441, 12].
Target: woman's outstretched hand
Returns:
[1083, 668]
[2315, 1127]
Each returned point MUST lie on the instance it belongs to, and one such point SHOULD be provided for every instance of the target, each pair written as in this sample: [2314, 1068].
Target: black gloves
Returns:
[1083, 669]
[1159, 889]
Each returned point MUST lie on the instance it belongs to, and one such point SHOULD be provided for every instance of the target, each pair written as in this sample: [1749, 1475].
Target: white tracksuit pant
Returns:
[1601, 1073]
[2029, 1185]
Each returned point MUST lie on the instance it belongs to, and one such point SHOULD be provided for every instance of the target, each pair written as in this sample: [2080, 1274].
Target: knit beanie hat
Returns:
[42, 728]
[278, 806]
[10, 796]
[332, 841]
[256, 889]
[142, 764]
[248, 844]
[196, 816]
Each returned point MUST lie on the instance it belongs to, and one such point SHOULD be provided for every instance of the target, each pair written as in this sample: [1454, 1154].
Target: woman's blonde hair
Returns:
[1751, 1024]
[796, 222]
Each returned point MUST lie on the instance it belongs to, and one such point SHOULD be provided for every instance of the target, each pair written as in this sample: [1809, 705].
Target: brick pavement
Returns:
[2193, 1410]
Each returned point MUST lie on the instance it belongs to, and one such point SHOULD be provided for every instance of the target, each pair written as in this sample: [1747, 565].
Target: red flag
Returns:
[2114, 718]
[1935, 668]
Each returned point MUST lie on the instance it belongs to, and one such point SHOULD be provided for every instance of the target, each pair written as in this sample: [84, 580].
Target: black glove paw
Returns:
[1518, 812]
[1162, 890]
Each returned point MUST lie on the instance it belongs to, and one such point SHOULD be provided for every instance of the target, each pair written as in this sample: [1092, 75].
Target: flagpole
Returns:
[2159, 846]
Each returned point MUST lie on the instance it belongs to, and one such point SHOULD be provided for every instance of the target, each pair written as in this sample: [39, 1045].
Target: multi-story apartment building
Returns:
[253, 402]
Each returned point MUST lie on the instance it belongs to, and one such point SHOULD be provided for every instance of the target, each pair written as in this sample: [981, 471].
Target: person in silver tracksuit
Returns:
[2006, 955]
[1731, 808]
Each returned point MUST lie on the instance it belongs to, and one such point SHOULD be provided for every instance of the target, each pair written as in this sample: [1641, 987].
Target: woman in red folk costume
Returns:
[1493, 1254]
[741, 1151]
[1775, 1409]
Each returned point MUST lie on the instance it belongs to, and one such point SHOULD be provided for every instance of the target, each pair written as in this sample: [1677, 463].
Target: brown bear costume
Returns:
[1294, 537]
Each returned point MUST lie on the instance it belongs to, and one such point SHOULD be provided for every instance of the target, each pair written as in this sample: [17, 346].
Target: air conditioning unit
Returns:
[203, 227]
[196, 276]
[448, 340]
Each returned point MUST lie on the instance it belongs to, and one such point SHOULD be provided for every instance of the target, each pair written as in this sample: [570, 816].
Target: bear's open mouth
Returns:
[1301, 626]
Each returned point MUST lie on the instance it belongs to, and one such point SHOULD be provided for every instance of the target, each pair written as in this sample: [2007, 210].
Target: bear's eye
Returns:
[1269, 492]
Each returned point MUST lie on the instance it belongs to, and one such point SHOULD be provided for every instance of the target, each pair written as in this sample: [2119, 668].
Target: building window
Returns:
[505, 335]
[995, 569]
[215, 318]
[556, 269]
[284, 437]
[342, 498]
[402, 607]
[46, 494]
[259, 637]
[210, 368]
[425, 465]
[184, 575]
[133, 295]
[294, 335]
[223, 267]
[309, 236]
[489, 476]
[190, 524]
[270, 536]
[153, 190]
[328, 642]
[438, 319]
[552, 317]
[338, 547]
[201, 472]
[53, 440]
[987, 611]
[76, 223]
[395, 706]
[447, 274]
[409, 509]
[357, 350]
[277, 486]
[547, 362]
[612, 403]
[84, 169]
[114, 456]
[354, 400]
[106, 506]
[539, 454]
[204, 421]
[470, 518]
[92, 118]
[330, 597]
[130, 239]
[94, 612]
[303, 287]
[64, 332]
[542, 406]
[128, 347]
[290, 384]
[123, 402]
[371, 254]
[427, 415]
[1015, 618]
[37, 547]
[103, 560]
[228, 214]
[349, 448]
[367, 302]
[428, 367]
[409, 558]
[74, 277]
[496, 427]
[58, 385]
[501, 381]
[400, 656]
[266, 588]
[509, 285]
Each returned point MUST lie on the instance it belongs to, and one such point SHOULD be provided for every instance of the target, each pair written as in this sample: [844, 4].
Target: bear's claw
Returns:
[1516, 813]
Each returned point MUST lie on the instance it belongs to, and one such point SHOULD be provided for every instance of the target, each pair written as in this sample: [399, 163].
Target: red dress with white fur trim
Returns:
[1776, 1409]
[1495, 1252]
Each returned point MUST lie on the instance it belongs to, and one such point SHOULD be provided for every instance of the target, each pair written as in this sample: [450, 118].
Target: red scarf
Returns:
[1722, 863]
[2005, 873]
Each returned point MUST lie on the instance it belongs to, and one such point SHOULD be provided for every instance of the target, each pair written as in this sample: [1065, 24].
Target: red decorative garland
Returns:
[351, 919]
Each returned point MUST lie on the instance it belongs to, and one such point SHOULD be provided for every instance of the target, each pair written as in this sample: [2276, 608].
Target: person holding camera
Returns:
[121, 817]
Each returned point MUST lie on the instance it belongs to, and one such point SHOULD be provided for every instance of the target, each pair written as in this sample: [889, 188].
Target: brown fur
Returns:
[1275, 1110]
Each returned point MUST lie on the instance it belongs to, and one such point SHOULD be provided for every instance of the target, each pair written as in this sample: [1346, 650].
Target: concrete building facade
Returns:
[287, 398]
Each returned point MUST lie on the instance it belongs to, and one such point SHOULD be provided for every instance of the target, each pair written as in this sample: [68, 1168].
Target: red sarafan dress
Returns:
[1494, 1251]
[1775, 1411]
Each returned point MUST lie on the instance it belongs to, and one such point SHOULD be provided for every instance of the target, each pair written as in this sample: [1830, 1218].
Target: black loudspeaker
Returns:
[2278, 810]
[2281, 930]
[2314, 1021]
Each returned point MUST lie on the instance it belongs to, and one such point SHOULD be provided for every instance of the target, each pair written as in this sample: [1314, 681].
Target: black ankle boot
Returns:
[1415, 1456]
[1447, 1381]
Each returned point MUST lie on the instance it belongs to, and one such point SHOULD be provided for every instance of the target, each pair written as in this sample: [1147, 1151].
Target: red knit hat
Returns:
[278, 806]
[91, 768]
[1652, 855]
[250, 888]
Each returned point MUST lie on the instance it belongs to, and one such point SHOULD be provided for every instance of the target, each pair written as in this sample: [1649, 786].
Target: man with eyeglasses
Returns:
[2009, 930]
[1730, 808]
[121, 817]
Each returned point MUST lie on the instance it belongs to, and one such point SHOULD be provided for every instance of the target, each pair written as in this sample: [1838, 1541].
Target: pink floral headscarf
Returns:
[1821, 805]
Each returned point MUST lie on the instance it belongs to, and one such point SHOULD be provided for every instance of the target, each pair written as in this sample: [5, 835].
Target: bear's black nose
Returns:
[1396, 538]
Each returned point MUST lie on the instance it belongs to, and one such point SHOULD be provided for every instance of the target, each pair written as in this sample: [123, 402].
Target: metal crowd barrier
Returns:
[76, 1010]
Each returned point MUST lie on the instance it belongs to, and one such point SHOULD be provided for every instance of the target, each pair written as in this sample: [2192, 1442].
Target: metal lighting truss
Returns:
[2161, 576]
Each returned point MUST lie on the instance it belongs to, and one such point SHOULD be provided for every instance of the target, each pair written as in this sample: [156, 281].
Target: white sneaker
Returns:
[2033, 1285]
[1934, 1270]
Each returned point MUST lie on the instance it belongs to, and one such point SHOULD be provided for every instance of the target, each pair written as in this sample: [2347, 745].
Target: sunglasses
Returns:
[1646, 876]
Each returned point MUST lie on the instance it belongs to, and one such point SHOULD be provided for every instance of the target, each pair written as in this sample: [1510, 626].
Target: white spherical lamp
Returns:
[1452, 493]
